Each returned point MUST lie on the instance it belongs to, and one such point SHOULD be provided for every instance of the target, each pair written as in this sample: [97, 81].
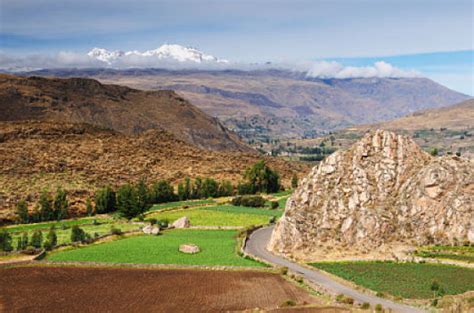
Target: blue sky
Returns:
[434, 37]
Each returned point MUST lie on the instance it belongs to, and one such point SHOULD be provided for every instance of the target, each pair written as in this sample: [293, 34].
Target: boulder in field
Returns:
[189, 248]
[151, 230]
[182, 222]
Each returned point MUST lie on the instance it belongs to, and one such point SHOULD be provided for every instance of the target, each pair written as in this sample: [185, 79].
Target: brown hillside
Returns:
[78, 157]
[80, 100]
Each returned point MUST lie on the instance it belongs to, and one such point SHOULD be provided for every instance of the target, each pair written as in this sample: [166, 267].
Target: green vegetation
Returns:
[5, 241]
[63, 234]
[180, 204]
[455, 253]
[61, 224]
[217, 248]
[259, 179]
[218, 216]
[249, 201]
[407, 280]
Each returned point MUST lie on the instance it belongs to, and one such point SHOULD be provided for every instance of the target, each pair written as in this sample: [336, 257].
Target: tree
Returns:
[77, 234]
[294, 181]
[60, 205]
[262, 178]
[197, 188]
[162, 192]
[105, 201]
[142, 196]
[225, 189]
[22, 211]
[181, 195]
[127, 202]
[89, 208]
[37, 239]
[209, 188]
[187, 188]
[5, 241]
[22, 243]
[52, 237]
[46, 210]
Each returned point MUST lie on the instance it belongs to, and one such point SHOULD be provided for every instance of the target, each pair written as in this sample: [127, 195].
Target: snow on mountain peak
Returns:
[167, 52]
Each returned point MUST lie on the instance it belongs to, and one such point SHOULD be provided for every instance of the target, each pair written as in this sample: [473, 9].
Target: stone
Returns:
[151, 230]
[382, 193]
[182, 222]
[189, 248]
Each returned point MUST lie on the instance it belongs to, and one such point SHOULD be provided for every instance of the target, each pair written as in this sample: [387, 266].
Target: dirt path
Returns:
[257, 243]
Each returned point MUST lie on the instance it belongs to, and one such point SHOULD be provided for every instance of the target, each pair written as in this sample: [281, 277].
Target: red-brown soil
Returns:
[63, 289]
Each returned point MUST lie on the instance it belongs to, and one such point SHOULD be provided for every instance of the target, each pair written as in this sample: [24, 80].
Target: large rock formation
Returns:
[381, 194]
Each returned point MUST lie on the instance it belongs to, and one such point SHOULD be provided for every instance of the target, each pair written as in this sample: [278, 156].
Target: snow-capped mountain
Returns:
[169, 53]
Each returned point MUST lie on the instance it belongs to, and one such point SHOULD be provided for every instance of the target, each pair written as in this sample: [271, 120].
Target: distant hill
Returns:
[130, 111]
[38, 155]
[279, 104]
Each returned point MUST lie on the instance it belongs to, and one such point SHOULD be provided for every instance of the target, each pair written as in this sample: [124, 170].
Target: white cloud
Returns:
[334, 69]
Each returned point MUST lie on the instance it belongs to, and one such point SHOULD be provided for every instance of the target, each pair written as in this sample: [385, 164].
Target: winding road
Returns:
[256, 246]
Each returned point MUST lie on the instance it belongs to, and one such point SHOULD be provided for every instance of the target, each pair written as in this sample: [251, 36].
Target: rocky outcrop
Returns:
[381, 194]
[151, 230]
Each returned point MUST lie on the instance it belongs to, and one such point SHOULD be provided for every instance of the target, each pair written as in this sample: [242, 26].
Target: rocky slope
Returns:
[381, 195]
[37, 155]
[130, 111]
[281, 104]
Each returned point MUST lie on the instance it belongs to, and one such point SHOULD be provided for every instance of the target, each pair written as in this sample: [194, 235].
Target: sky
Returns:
[433, 37]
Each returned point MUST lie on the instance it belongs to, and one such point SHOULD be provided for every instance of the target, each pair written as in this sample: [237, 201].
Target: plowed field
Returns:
[74, 289]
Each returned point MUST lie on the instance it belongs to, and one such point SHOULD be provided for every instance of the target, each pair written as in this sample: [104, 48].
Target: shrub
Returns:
[152, 221]
[284, 270]
[339, 297]
[348, 300]
[22, 243]
[272, 220]
[164, 224]
[274, 205]
[378, 308]
[294, 181]
[116, 231]
[434, 152]
[5, 241]
[46, 207]
[127, 204]
[52, 238]
[60, 205]
[365, 306]
[37, 239]
[288, 303]
[47, 245]
[77, 234]
[249, 201]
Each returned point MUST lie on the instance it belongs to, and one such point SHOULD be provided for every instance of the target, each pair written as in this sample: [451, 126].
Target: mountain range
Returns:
[273, 104]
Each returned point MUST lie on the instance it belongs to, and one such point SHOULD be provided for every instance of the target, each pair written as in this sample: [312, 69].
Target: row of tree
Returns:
[46, 209]
[23, 242]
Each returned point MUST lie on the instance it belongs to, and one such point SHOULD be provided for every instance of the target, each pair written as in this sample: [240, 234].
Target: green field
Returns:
[407, 280]
[57, 224]
[217, 248]
[455, 253]
[64, 235]
[223, 215]
[180, 204]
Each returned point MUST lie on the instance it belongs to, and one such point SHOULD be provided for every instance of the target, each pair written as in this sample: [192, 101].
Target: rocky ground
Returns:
[80, 158]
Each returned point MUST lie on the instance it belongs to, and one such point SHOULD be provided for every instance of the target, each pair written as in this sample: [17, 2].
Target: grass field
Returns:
[217, 248]
[179, 204]
[64, 235]
[224, 215]
[58, 224]
[455, 253]
[407, 280]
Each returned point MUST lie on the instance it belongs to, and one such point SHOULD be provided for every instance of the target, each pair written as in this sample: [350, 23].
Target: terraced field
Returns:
[222, 215]
[454, 253]
[178, 204]
[407, 280]
[218, 247]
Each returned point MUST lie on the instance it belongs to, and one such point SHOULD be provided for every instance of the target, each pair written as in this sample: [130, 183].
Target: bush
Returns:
[47, 245]
[116, 231]
[52, 238]
[348, 300]
[249, 201]
[365, 306]
[339, 297]
[274, 205]
[5, 241]
[284, 270]
[127, 203]
[164, 224]
[22, 243]
[22, 211]
[272, 220]
[288, 303]
[77, 234]
[152, 221]
[378, 308]
[37, 239]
